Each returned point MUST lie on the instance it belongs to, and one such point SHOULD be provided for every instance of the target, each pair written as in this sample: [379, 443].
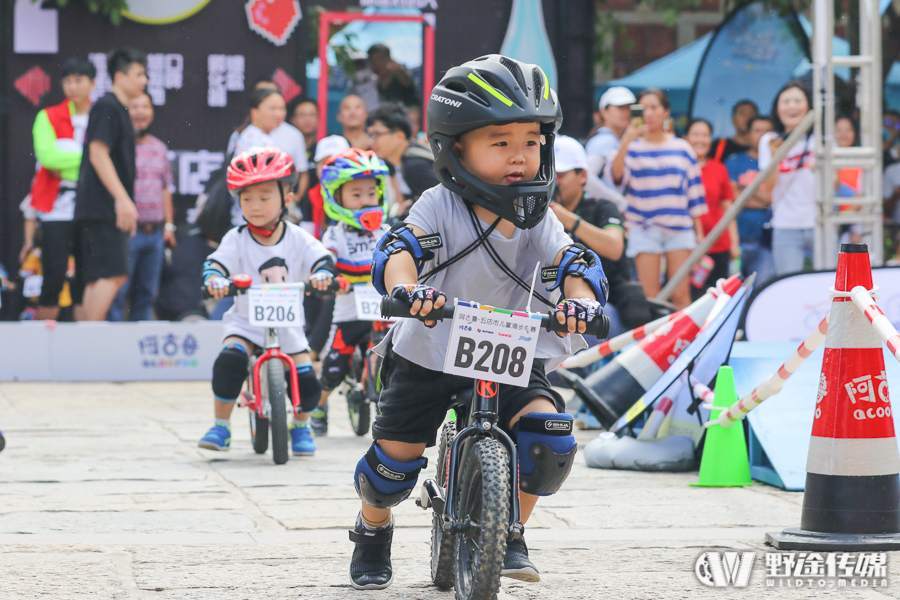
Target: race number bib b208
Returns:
[491, 345]
[275, 307]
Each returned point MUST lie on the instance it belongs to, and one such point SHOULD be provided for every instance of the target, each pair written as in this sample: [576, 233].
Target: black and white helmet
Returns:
[495, 90]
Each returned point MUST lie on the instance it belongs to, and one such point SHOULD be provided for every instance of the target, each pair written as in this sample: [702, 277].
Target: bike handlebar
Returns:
[233, 290]
[397, 307]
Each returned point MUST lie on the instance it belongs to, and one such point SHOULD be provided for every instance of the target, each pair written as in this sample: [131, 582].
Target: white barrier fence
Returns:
[145, 351]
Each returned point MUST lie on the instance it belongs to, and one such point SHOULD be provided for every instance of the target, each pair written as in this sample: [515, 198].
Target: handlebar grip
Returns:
[599, 327]
[334, 286]
[231, 290]
[396, 307]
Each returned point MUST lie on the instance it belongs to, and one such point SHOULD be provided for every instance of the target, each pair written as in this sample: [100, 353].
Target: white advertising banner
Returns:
[145, 351]
[788, 309]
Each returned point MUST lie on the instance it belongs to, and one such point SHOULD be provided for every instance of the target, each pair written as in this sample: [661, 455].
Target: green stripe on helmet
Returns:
[490, 89]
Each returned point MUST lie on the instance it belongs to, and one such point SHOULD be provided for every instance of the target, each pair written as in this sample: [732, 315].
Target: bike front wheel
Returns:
[482, 504]
[259, 432]
[278, 417]
[358, 408]
[442, 543]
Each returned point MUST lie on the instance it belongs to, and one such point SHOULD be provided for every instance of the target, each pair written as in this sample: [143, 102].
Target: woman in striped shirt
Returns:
[665, 195]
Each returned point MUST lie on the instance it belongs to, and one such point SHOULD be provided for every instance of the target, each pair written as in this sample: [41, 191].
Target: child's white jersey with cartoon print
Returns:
[288, 261]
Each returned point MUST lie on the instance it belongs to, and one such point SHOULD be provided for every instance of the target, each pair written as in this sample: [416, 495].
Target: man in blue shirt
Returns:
[756, 246]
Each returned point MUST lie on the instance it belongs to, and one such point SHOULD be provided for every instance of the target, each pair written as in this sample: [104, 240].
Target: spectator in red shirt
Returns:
[719, 196]
[156, 218]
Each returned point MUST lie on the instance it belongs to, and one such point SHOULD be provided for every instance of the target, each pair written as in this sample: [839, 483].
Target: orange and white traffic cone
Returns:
[852, 497]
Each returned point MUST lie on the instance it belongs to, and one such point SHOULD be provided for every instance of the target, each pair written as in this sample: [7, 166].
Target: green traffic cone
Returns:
[725, 462]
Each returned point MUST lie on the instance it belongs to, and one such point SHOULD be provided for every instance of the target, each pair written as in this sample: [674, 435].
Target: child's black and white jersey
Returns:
[288, 261]
[352, 249]
[477, 278]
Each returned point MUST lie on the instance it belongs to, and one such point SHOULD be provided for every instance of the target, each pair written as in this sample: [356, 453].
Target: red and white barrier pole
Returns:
[592, 355]
[774, 383]
[863, 300]
[701, 391]
[722, 291]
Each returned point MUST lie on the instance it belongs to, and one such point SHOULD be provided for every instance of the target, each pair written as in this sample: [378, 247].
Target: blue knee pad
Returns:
[546, 451]
[308, 387]
[229, 372]
[383, 482]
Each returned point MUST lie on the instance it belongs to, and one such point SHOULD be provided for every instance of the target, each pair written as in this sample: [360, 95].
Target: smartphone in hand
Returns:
[637, 112]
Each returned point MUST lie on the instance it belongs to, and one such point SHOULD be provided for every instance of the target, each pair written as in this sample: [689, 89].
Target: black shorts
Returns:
[345, 337]
[57, 245]
[104, 250]
[415, 400]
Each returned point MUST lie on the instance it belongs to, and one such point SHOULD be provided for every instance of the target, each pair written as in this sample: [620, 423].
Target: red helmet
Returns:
[259, 165]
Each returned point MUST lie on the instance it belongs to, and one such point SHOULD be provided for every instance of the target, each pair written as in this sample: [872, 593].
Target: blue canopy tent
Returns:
[676, 73]
[673, 73]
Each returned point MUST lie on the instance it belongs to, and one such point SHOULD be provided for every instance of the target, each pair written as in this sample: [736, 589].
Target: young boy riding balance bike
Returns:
[270, 250]
[478, 236]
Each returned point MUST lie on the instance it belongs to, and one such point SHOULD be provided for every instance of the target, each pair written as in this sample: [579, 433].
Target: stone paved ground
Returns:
[104, 495]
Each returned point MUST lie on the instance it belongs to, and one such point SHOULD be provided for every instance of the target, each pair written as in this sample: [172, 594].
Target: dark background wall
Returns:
[465, 29]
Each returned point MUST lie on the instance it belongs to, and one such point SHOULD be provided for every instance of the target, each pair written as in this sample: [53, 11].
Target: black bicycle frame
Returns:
[483, 417]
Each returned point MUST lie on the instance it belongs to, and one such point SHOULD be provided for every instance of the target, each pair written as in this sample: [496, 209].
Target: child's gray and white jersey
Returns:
[289, 261]
[352, 249]
[477, 278]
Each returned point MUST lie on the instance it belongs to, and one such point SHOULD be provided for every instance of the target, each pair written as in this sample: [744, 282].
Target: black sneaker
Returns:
[516, 564]
[370, 566]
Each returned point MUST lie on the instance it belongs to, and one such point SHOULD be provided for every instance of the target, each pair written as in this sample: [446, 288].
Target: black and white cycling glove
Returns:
[412, 292]
[583, 309]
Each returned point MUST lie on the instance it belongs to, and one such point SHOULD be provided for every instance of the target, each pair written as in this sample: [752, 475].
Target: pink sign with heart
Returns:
[275, 20]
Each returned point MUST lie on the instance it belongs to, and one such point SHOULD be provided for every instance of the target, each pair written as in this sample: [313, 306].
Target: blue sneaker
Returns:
[302, 442]
[217, 438]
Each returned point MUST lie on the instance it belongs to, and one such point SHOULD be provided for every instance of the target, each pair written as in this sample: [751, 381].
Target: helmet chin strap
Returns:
[264, 232]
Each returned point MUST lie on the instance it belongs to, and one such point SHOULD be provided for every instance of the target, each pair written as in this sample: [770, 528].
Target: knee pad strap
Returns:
[383, 482]
[546, 451]
[229, 372]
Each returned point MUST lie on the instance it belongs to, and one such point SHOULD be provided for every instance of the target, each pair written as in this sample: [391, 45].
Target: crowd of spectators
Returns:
[632, 189]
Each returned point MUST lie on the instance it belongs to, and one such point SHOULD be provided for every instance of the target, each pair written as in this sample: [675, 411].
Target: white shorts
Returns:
[657, 240]
[293, 339]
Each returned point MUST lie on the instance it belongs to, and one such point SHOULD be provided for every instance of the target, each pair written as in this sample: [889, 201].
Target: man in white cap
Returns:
[599, 225]
[615, 108]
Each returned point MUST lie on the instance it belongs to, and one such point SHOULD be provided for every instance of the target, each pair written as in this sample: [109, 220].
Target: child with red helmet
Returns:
[270, 250]
[353, 185]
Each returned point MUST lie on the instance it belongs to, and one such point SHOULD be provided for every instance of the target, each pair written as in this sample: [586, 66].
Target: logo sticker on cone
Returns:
[852, 497]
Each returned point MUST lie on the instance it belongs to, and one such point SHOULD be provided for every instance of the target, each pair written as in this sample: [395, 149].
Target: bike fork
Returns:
[483, 419]
[273, 351]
